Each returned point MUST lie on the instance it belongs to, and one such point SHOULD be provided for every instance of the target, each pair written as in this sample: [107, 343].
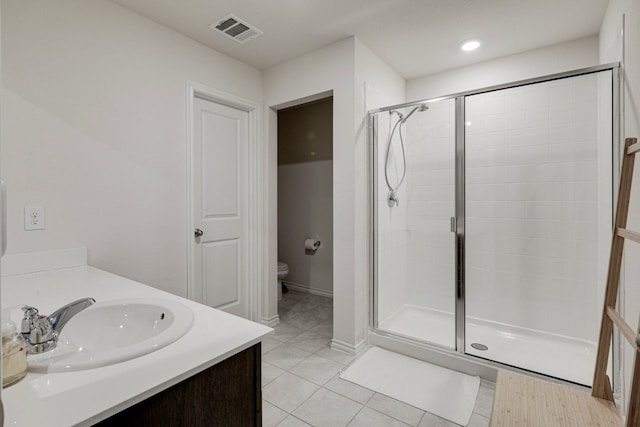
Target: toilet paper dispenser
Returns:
[311, 245]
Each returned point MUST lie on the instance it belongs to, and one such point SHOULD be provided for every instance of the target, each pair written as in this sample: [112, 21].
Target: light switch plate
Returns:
[34, 218]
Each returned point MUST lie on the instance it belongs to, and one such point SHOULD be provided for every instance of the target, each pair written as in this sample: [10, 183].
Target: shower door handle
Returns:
[454, 225]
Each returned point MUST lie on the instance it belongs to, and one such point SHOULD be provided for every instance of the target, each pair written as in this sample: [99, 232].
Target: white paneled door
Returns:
[220, 207]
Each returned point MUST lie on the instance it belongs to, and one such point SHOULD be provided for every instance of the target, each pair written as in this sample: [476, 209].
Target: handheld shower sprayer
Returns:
[392, 196]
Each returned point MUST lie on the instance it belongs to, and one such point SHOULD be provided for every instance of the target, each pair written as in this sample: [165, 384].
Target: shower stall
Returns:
[492, 216]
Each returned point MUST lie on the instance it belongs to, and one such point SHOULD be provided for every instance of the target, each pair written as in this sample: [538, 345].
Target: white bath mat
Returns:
[443, 392]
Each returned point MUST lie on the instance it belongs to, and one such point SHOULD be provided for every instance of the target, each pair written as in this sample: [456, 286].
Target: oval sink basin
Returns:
[114, 331]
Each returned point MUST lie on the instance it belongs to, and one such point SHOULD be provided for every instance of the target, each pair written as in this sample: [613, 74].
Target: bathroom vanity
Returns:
[226, 394]
[209, 376]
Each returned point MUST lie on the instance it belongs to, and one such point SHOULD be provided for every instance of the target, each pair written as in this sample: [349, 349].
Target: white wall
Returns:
[94, 129]
[318, 74]
[548, 60]
[305, 209]
[376, 85]
[341, 69]
[611, 49]
[391, 246]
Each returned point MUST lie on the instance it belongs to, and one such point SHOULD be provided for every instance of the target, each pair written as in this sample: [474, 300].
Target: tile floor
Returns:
[300, 383]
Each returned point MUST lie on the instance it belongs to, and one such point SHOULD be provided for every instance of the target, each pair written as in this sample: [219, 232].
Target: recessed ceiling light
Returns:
[470, 45]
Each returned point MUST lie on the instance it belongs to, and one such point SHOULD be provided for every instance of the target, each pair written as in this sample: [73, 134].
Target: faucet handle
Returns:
[37, 331]
[30, 313]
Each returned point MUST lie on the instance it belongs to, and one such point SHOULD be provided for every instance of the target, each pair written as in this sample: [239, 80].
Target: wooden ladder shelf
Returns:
[521, 400]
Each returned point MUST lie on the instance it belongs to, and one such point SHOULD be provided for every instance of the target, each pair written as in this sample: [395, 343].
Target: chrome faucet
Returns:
[41, 332]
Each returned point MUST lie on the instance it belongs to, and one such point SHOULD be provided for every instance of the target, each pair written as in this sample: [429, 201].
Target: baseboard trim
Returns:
[308, 289]
[271, 321]
[354, 350]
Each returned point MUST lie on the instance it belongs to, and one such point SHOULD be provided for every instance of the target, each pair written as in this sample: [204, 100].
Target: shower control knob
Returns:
[392, 199]
[198, 232]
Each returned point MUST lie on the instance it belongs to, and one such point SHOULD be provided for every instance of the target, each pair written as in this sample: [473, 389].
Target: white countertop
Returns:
[88, 396]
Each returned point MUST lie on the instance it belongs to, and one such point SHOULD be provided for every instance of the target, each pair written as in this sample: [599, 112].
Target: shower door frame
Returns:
[460, 194]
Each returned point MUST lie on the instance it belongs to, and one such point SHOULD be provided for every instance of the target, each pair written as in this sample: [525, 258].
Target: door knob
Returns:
[198, 232]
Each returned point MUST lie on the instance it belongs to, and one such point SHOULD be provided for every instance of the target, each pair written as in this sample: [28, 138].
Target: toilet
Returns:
[283, 270]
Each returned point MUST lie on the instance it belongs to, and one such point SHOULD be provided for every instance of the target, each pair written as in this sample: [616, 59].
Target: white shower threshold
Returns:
[558, 356]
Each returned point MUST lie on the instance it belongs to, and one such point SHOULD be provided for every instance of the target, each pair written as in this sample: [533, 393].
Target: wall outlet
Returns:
[34, 218]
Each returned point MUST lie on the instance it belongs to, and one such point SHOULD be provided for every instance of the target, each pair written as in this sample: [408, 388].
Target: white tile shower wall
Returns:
[392, 224]
[533, 206]
[305, 209]
[430, 142]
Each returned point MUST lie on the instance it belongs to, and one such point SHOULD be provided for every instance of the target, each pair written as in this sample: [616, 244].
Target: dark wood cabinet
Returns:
[227, 394]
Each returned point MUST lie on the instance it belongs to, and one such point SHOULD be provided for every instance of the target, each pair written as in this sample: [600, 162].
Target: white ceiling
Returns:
[415, 37]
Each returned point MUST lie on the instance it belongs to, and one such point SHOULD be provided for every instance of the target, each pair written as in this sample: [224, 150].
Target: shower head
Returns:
[420, 108]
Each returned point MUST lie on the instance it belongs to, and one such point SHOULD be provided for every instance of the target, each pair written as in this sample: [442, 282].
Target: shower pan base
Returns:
[557, 356]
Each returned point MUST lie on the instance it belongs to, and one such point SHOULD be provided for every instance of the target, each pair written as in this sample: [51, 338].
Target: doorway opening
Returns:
[305, 215]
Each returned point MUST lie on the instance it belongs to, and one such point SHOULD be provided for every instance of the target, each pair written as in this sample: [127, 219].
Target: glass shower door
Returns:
[538, 197]
[414, 201]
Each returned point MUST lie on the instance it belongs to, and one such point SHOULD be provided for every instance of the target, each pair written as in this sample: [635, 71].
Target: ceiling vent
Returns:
[236, 28]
